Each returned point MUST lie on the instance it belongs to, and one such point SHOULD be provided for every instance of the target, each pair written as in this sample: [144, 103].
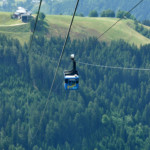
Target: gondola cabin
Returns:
[71, 77]
[71, 82]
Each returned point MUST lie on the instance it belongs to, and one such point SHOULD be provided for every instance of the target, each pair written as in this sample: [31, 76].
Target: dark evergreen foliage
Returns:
[110, 111]
[107, 13]
[93, 13]
[146, 22]
[41, 16]
[85, 6]
[141, 29]
[41, 25]
[124, 14]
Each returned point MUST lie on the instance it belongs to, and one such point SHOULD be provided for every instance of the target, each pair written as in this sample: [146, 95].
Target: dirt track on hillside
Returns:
[13, 25]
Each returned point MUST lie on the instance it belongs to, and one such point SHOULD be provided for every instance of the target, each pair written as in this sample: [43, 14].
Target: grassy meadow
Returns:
[83, 27]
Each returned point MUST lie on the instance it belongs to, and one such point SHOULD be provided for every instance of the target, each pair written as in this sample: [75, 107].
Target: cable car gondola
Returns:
[71, 77]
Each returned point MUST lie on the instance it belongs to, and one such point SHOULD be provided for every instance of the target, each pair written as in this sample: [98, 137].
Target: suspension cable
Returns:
[28, 52]
[35, 25]
[62, 52]
[60, 58]
[114, 67]
[120, 19]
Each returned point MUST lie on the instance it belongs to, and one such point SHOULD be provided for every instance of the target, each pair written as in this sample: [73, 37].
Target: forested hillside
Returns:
[110, 111]
[85, 6]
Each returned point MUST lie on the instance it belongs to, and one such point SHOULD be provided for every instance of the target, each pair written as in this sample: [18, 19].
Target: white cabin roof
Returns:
[71, 76]
[21, 10]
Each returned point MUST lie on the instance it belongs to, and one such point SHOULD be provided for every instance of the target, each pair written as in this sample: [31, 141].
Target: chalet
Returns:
[23, 14]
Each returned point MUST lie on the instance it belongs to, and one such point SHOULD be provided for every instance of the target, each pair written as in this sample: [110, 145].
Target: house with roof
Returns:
[23, 14]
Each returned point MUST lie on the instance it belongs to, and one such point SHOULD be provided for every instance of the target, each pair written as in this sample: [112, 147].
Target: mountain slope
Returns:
[83, 27]
[109, 111]
[85, 6]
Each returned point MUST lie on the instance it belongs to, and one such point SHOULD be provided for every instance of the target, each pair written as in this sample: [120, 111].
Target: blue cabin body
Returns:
[71, 82]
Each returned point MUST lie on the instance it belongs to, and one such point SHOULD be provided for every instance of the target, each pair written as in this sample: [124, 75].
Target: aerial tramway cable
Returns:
[114, 67]
[61, 55]
[120, 19]
[35, 25]
[28, 52]
[60, 58]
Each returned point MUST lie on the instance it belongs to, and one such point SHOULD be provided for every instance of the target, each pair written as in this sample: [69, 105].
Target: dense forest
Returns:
[144, 31]
[110, 111]
[66, 7]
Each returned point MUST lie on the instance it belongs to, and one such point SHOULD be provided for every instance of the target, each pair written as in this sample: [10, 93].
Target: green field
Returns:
[5, 19]
[82, 28]
[85, 27]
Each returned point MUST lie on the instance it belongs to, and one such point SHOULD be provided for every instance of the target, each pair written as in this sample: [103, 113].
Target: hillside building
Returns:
[23, 14]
